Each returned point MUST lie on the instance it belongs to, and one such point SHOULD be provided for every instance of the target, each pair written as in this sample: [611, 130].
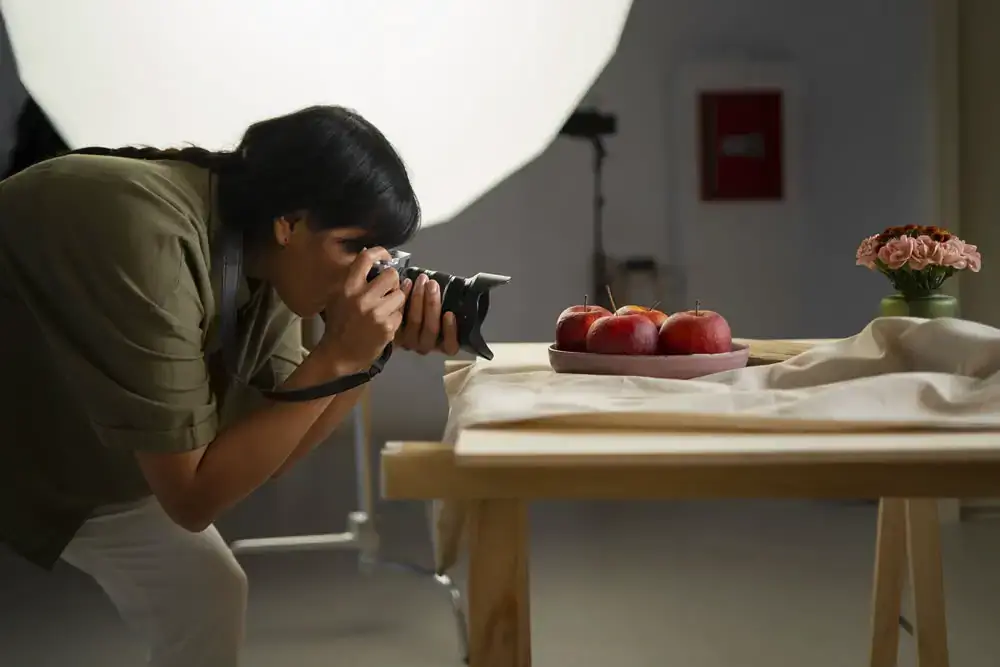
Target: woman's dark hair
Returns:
[325, 160]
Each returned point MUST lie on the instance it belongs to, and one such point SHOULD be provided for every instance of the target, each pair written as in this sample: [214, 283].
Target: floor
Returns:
[720, 584]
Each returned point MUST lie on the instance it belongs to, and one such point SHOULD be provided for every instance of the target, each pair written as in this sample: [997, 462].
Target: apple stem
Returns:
[611, 298]
[585, 306]
[653, 307]
[697, 306]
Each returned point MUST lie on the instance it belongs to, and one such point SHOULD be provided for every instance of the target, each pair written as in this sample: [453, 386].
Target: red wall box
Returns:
[741, 151]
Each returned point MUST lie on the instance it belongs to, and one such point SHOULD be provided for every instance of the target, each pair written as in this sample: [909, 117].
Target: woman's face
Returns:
[306, 266]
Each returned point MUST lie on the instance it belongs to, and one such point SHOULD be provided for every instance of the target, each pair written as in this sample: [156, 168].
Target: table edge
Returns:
[422, 470]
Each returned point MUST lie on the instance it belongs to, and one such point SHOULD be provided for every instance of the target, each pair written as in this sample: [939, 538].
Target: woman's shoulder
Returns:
[103, 214]
[177, 190]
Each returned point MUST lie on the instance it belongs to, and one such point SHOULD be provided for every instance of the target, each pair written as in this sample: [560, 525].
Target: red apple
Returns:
[573, 325]
[622, 334]
[695, 332]
[657, 317]
[585, 308]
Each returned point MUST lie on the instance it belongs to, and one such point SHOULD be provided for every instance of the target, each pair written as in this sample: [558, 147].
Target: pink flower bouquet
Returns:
[917, 260]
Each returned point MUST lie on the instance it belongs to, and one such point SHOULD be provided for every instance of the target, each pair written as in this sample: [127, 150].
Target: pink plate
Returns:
[672, 367]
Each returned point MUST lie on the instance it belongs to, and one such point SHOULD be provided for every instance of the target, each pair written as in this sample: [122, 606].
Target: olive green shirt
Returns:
[109, 306]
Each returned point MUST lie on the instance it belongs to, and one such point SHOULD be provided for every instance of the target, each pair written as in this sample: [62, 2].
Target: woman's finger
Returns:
[357, 275]
[385, 283]
[432, 318]
[393, 322]
[415, 313]
[390, 304]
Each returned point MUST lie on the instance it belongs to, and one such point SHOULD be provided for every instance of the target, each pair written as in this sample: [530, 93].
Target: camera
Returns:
[467, 298]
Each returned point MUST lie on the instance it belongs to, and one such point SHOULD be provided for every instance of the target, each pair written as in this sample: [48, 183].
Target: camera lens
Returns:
[467, 298]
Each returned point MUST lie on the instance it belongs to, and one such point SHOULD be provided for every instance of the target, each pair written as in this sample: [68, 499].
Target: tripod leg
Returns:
[458, 610]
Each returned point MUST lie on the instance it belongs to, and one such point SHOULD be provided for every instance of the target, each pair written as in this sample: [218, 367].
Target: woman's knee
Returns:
[222, 584]
[232, 584]
[184, 592]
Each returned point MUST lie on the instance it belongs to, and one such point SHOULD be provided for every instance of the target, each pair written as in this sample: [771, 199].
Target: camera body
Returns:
[400, 261]
[467, 298]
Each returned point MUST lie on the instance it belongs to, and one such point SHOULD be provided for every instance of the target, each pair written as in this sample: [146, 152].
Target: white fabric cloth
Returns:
[901, 372]
[896, 373]
[182, 592]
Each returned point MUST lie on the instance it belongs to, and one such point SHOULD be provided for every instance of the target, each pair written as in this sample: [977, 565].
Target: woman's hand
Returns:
[363, 317]
[426, 330]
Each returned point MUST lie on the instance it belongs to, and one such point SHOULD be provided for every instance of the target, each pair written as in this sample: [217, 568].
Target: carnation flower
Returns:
[867, 252]
[917, 259]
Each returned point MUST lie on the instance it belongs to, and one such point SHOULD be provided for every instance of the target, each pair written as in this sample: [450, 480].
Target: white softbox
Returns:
[468, 90]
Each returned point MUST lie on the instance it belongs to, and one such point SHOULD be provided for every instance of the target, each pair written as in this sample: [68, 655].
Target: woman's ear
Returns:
[284, 227]
[283, 231]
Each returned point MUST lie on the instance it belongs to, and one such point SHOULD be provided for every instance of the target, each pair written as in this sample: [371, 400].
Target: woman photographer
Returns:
[113, 454]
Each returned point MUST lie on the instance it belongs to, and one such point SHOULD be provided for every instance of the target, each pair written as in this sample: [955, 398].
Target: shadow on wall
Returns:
[26, 134]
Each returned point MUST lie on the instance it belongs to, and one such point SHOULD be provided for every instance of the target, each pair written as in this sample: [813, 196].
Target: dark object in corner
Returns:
[37, 139]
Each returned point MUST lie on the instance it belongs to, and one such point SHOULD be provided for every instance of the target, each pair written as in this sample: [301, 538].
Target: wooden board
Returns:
[773, 351]
[507, 446]
[431, 471]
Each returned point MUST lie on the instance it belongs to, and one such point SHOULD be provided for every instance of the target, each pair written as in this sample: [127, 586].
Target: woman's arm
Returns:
[425, 331]
[289, 353]
[195, 487]
[322, 427]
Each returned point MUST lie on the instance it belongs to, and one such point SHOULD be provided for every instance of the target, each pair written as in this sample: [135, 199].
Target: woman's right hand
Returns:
[362, 318]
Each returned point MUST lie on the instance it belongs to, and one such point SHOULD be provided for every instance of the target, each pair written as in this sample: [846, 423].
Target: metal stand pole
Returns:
[600, 278]
[361, 534]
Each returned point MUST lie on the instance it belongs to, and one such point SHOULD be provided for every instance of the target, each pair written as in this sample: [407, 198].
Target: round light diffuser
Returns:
[468, 90]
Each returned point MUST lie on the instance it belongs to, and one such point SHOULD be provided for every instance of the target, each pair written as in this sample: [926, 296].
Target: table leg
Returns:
[927, 581]
[890, 569]
[499, 616]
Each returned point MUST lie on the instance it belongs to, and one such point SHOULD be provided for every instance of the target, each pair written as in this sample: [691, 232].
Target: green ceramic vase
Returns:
[927, 306]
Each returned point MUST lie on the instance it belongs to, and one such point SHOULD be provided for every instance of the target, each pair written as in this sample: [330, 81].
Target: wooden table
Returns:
[502, 469]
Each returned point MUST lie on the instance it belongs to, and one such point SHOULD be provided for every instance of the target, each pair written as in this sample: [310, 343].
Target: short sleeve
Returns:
[289, 353]
[131, 321]
[155, 391]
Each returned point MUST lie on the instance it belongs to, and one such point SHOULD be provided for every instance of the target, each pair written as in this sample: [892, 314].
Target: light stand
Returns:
[600, 258]
[593, 126]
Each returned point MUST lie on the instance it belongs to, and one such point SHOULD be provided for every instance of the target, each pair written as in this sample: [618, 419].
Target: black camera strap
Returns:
[232, 272]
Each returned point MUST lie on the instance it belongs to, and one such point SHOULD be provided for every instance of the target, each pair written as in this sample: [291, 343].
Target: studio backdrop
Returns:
[469, 91]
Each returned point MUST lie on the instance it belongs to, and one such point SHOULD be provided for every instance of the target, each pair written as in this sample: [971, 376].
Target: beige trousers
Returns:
[183, 593]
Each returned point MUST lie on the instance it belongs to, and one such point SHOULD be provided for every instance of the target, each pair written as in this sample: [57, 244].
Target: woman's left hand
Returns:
[425, 329]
